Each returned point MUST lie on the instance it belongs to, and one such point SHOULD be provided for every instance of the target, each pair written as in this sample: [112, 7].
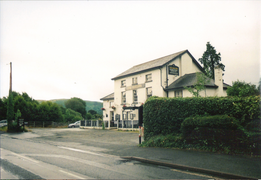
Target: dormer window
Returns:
[123, 83]
[134, 80]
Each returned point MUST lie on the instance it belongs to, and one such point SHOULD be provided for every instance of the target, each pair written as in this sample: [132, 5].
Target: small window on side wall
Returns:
[178, 93]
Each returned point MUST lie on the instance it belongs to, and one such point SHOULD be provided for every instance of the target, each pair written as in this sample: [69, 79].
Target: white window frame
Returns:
[135, 80]
[123, 83]
[147, 92]
[123, 97]
[179, 93]
[135, 96]
[148, 77]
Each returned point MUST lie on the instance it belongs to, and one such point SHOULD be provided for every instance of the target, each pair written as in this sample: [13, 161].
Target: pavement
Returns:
[214, 164]
[125, 145]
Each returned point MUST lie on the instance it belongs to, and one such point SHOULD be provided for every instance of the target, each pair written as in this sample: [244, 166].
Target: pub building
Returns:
[163, 77]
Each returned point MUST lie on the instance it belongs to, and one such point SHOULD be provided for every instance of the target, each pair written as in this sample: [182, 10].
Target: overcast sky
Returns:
[64, 49]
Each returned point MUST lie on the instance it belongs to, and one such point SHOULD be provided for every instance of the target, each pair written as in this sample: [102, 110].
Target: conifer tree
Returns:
[210, 59]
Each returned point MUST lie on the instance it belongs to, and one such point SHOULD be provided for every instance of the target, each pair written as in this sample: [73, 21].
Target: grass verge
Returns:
[177, 142]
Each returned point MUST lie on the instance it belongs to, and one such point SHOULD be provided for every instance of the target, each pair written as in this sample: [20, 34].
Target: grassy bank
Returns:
[176, 141]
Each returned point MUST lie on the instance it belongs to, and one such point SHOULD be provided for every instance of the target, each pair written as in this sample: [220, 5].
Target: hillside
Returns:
[94, 105]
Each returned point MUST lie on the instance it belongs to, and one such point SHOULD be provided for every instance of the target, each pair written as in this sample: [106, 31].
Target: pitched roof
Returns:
[108, 97]
[154, 64]
[189, 80]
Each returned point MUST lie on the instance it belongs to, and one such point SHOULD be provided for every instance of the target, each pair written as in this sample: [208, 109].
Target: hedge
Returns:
[165, 115]
[216, 122]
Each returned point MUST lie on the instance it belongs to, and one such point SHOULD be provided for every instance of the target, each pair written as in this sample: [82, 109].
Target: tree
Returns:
[210, 59]
[76, 104]
[10, 110]
[88, 116]
[92, 112]
[21, 104]
[71, 115]
[3, 108]
[55, 113]
[242, 89]
[199, 86]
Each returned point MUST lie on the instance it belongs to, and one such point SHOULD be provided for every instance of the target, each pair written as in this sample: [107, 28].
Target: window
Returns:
[149, 92]
[123, 83]
[112, 116]
[111, 103]
[123, 97]
[178, 93]
[148, 78]
[135, 96]
[135, 80]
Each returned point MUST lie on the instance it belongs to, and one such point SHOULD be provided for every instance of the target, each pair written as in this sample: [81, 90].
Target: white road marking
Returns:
[78, 177]
[88, 152]
[211, 177]
[23, 157]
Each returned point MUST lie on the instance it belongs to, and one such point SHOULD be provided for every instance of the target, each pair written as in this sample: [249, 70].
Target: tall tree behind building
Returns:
[210, 59]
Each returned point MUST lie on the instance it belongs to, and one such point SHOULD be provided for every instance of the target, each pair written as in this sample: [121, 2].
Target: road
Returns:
[78, 154]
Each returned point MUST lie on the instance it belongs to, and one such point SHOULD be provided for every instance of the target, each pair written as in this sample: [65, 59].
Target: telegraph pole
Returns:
[10, 77]
[10, 103]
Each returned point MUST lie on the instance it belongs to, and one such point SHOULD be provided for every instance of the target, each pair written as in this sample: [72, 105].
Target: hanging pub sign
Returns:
[173, 70]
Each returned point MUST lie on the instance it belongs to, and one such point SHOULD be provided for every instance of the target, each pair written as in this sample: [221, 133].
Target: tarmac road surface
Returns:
[72, 154]
[89, 153]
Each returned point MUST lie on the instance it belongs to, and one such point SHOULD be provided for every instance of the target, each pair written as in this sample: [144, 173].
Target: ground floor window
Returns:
[112, 116]
[178, 93]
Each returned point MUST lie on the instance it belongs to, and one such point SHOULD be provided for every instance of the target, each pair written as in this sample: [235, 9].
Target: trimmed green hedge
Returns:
[165, 115]
[217, 122]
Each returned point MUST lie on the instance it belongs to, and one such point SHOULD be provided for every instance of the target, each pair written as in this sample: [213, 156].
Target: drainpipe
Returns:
[161, 82]
[167, 80]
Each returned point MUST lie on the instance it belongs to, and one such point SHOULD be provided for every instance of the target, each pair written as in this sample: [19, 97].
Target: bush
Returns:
[254, 126]
[165, 115]
[217, 122]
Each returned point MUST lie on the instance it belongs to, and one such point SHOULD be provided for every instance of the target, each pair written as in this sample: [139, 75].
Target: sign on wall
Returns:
[173, 70]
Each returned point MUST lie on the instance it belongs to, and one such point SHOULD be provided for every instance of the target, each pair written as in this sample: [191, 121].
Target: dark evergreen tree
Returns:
[210, 59]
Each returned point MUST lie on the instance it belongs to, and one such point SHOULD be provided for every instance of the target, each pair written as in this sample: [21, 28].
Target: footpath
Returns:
[218, 165]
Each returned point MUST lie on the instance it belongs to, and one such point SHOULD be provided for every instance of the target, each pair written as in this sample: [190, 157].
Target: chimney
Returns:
[219, 80]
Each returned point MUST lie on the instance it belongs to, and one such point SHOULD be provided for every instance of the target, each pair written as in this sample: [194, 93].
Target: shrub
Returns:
[165, 115]
[217, 122]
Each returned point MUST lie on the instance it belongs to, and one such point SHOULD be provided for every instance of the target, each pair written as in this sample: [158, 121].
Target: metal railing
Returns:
[91, 123]
[122, 124]
[127, 124]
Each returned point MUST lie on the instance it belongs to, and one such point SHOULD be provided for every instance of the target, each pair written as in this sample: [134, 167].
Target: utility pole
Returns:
[10, 103]
[10, 77]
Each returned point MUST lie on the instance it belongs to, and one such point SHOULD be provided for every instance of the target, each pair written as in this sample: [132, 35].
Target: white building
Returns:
[156, 78]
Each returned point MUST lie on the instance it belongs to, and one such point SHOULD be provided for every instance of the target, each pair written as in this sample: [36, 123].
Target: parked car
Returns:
[73, 125]
[3, 123]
